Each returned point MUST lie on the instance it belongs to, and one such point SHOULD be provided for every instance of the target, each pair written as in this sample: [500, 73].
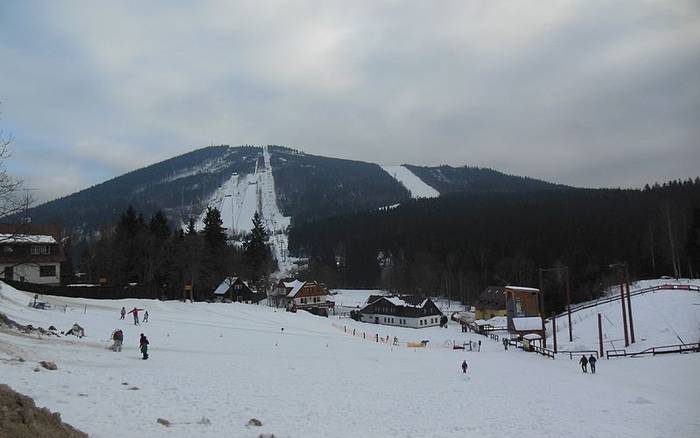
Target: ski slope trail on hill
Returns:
[413, 184]
[213, 367]
[240, 197]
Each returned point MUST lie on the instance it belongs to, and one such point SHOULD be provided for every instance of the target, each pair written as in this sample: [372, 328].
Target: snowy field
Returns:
[665, 317]
[229, 363]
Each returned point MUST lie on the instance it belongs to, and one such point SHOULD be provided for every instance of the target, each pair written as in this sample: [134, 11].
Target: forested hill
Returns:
[308, 187]
[448, 179]
[456, 245]
[178, 186]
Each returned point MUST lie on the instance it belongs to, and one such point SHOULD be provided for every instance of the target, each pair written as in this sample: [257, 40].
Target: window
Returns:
[39, 249]
[47, 271]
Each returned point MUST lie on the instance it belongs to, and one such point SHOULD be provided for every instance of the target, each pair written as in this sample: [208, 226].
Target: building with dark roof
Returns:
[31, 253]
[404, 311]
[491, 303]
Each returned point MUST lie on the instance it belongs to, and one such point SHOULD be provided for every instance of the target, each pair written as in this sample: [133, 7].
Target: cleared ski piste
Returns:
[233, 362]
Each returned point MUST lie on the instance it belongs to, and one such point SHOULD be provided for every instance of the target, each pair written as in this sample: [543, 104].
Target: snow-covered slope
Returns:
[665, 317]
[303, 376]
[413, 184]
[238, 200]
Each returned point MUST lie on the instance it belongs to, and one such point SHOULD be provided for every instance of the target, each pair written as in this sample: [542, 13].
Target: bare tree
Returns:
[11, 199]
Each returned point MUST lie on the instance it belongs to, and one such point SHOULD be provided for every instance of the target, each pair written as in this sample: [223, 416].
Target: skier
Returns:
[583, 363]
[123, 312]
[135, 311]
[464, 366]
[144, 346]
[592, 360]
[505, 343]
[479, 350]
[145, 317]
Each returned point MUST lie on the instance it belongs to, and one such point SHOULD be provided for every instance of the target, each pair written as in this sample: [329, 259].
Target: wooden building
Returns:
[296, 294]
[234, 289]
[491, 303]
[31, 253]
[523, 305]
[404, 311]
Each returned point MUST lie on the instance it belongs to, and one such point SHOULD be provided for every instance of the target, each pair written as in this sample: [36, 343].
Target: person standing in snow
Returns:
[135, 311]
[123, 313]
[145, 317]
[144, 346]
[583, 363]
[464, 366]
[592, 360]
[479, 350]
[118, 338]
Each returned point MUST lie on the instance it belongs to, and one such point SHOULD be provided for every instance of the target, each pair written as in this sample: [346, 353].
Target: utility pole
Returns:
[624, 310]
[541, 305]
[629, 302]
[568, 305]
[600, 336]
[554, 330]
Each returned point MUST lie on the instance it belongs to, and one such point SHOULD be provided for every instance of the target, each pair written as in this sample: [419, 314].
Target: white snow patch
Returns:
[413, 184]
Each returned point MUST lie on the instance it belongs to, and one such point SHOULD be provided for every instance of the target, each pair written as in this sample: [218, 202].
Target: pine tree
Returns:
[215, 254]
[257, 257]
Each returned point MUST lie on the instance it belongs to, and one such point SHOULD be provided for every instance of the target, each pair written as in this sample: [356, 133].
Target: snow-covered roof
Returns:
[532, 336]
[480, 322]
[396, 301]
[527, 323]
[27, 238]
[295, 287]
[522, 289]
[225, 285]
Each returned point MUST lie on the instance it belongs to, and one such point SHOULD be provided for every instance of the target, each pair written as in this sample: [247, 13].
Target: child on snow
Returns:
[464, 366]
[123, 313]
[144, 346]
[118, 338]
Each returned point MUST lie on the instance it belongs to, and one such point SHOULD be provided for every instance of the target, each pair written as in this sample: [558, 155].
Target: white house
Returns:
[30, 253]
[403, 311]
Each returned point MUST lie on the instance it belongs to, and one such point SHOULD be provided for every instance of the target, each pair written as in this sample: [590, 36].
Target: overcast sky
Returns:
[585, 93]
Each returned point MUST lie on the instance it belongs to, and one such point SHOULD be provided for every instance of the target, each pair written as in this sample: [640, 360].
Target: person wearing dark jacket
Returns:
[592, 360]
[583, 363]
[144, 346]
[464, 366]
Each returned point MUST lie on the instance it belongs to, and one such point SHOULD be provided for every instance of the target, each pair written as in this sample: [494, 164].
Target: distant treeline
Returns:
[458, 244]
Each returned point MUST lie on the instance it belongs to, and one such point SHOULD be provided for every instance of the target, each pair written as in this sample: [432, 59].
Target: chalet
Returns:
[236, 290]
[31, 253]
[300, 295]
[404, 311]
[524, 314]
[491, 303]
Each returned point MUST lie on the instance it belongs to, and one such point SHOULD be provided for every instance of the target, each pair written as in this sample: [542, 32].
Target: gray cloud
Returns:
[581, 92]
